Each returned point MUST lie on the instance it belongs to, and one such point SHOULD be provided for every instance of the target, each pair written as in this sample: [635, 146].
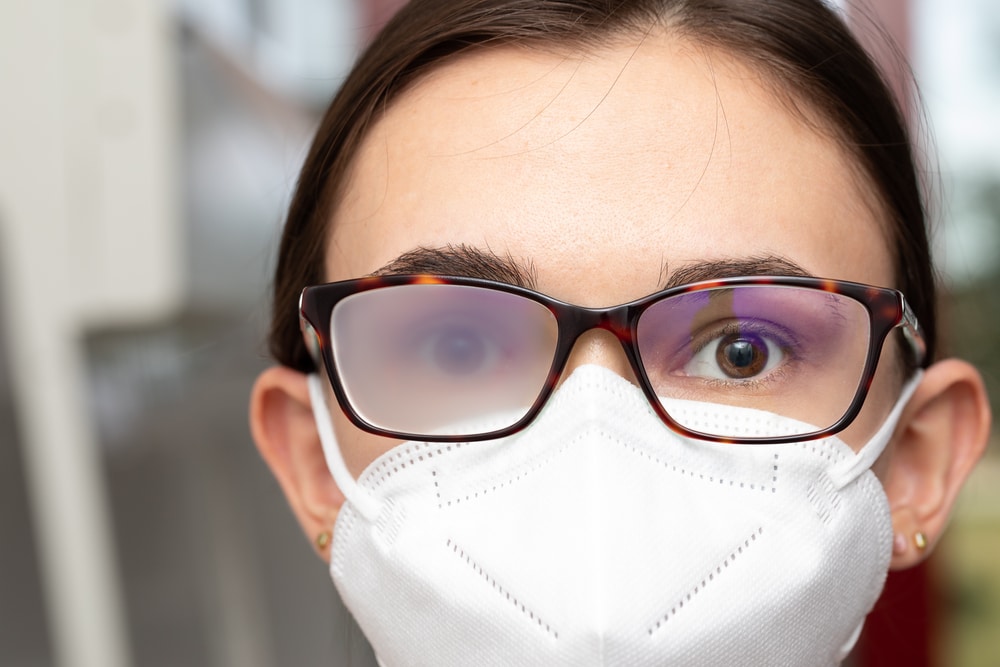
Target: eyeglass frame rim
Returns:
[887, 309]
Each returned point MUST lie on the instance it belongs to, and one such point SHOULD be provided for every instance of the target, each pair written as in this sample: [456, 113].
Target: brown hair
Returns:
[801, 45]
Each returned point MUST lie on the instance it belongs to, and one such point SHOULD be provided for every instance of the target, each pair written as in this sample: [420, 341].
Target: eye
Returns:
[738, 354]
[457, 349]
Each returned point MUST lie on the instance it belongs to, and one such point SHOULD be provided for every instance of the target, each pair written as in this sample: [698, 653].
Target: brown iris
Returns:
[741, 356]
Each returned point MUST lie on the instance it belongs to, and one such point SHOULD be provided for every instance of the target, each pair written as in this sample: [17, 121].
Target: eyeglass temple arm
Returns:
[313, 344]
[913, 333]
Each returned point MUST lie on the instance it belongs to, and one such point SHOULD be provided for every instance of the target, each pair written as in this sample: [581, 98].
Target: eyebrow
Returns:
[762, 265]
[470, 262]
[463, 261]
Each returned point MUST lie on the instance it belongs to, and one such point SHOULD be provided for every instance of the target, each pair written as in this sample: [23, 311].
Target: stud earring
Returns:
[920, 540]
[323, 540]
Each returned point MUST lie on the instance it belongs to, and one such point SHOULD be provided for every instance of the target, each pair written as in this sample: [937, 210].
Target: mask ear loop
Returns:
[365, 504]
[849, 470]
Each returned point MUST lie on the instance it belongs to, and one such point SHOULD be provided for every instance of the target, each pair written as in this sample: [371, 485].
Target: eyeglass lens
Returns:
[456, 359]
[793, 352]
[439, 359]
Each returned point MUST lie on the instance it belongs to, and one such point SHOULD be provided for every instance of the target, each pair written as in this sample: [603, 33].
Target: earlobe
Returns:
[282, 424]
[943, 432]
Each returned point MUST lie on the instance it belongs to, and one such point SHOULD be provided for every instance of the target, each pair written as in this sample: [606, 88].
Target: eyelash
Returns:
[782, 337]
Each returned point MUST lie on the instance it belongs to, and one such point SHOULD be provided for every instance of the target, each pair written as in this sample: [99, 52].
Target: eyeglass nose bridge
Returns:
[575, 321]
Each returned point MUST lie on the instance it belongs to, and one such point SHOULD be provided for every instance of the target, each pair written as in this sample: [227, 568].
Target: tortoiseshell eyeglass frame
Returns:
[887, 309]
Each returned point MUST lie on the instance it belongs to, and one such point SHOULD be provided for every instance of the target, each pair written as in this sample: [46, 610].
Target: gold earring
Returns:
[323, 540]
[920, 540]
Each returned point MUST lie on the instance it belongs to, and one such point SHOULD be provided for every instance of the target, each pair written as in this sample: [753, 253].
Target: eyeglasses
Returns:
[444, 359]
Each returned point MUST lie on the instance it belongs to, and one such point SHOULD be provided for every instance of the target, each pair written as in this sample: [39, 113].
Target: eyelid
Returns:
[736, 326]
[769, 374]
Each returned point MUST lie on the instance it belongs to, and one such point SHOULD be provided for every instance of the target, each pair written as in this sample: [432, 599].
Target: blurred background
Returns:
[148, 149]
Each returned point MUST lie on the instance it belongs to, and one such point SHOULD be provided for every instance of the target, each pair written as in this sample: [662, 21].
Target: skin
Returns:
[602, 175]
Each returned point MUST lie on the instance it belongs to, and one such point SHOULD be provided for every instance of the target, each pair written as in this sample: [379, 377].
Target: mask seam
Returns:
[875, 493]
[499, 589]
[343, 528]
[710, 578]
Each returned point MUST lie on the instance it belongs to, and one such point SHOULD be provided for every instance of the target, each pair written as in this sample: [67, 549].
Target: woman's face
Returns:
[603, 174]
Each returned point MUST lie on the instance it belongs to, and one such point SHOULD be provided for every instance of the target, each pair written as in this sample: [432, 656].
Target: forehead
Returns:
[613, 166]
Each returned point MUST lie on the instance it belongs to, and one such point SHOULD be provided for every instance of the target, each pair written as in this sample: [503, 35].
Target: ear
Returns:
[943, 432]
[282, 424]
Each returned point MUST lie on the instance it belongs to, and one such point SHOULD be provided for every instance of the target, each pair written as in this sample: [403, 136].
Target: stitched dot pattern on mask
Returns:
[516, 477]
[824, 449]
[413, 455]
[537, 465]
[417, 453]
[534, 618]
[706, 581]
[711, 479]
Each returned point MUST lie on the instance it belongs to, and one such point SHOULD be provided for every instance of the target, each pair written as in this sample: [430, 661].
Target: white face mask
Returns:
[599, 537]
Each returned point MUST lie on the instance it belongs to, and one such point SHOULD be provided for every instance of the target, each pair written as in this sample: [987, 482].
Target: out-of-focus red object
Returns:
[903, 628]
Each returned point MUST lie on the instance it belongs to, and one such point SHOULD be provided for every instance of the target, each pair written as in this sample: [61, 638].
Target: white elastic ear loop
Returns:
[846, 473]
[359, 498]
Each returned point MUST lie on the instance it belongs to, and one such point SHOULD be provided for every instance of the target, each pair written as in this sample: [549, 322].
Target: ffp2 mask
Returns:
[599, 537]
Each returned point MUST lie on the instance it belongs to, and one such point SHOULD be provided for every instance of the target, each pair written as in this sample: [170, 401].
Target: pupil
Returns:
[741, 357]
[740, 353]
[459, 352]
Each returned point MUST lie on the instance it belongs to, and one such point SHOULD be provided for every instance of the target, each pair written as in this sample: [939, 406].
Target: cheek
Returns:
[357, 447]
[880, 400]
